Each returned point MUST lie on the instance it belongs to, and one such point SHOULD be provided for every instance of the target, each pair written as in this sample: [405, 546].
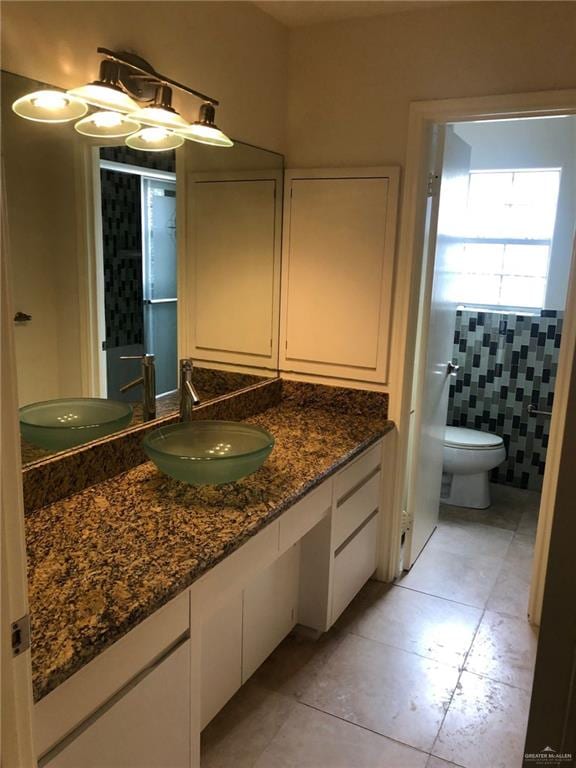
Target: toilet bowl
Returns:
[469, 455]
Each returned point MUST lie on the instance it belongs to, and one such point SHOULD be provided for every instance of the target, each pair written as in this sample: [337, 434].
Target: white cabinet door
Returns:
[221, 645]
[337, 272]
[147, 725]
[270, 602]
[229, 279]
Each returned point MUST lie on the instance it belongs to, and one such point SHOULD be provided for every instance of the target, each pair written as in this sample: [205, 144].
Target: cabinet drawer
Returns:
[81, 695]
[354, 565]
[353, 475]
[146, 724]
[355, 509]
[303, 516]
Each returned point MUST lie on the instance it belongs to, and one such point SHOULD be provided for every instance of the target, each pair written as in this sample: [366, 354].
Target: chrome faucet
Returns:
[188, 394]
[148, 381]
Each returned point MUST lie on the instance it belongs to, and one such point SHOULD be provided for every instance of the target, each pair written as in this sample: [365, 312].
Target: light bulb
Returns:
[154, 140]
[53, 100]
[49, 106]
[105, 124]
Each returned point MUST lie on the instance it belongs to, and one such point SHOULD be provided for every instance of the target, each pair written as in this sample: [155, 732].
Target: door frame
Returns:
[16, 720]
[423, 116]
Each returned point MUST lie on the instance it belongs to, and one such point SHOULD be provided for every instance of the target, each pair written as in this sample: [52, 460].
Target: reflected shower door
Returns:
[159, 279]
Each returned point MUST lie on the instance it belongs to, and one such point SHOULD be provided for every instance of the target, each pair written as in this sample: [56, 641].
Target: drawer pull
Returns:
[357, 487]
[355, 533]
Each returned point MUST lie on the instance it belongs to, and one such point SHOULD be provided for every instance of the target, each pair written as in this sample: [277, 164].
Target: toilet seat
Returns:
[470, 439]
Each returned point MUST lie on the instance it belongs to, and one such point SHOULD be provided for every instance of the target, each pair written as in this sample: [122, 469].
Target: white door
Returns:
[16, 739]
[434, 347]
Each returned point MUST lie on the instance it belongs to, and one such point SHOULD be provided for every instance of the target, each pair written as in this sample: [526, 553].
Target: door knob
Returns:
[452, 369]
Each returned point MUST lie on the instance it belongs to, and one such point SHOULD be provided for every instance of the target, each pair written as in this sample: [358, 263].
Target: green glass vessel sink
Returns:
[209, 452]
[60, 424]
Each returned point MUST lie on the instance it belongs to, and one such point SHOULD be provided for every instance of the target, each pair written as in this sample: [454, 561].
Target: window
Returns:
[504, 249]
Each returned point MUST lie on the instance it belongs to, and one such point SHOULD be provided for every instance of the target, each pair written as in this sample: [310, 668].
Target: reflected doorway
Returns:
[139, 264]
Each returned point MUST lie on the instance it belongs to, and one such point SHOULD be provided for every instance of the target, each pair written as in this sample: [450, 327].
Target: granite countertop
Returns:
[105, 559]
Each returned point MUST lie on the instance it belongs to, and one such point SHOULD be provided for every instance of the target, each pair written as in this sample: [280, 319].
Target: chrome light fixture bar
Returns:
[133, 101]
[106, 92]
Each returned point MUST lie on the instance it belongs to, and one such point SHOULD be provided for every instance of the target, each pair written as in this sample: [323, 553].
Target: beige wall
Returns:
[232, 51]
[43, 252]
[352, 81]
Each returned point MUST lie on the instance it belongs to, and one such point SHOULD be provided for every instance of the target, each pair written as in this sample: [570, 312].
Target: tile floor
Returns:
[432, 672]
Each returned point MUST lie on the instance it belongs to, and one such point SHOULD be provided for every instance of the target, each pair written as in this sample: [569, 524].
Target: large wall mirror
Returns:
[115, 254]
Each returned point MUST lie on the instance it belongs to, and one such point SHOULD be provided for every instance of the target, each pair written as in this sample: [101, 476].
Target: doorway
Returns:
[500, 264]
[494, 291]
[138, 267]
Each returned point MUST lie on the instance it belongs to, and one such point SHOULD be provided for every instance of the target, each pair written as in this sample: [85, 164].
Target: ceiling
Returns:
[299, 13]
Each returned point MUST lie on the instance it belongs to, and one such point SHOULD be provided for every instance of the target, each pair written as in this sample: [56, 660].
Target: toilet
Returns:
[469, 455]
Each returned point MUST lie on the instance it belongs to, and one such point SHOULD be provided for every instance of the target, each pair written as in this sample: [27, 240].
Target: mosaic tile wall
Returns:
[507, 361]
[122, 245]
[122, 242]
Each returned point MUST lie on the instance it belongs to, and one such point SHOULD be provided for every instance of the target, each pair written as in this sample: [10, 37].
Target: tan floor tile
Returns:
[521, 553]
[424, 624]
[312, 739]
[471, 539]
[499, 517]
[511, 592]
[463, 578]
[390, 691]
[436, 762]
[485, 725]
[514, 499]
[296, 662]
[504, 650]
[528, 523]
[243, 729]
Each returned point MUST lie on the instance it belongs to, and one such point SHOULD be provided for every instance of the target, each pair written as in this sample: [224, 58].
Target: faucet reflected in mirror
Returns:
[148, 382]
[113, 254]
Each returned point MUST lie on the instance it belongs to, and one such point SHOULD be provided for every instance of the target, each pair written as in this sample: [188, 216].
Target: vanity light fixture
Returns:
[133, 101]
[107, 125]
[160, 113]
[204, 130]
[49, 106]
[154, 139]
[107, 91]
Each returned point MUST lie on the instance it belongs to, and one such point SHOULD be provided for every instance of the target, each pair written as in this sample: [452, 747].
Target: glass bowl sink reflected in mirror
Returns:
[209, 452]
[59, 424]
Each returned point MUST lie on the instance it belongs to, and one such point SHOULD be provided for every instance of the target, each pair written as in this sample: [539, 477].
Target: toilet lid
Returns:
[459, 437]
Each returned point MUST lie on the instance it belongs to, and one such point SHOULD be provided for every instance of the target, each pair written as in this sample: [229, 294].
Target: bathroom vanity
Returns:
[152, 602]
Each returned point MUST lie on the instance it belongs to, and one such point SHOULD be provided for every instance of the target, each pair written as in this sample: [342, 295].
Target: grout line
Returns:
[439, 597]
[460, 672]
[405, 650]
[365, 728]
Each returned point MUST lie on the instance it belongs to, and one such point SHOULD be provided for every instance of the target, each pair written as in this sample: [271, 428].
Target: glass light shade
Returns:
[160, 117]
[206, 134]
[49, 106]
[105, 97]
[154, 140]
[109, 125]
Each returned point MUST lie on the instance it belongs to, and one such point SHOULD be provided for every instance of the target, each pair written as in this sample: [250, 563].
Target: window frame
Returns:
[542, 242]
